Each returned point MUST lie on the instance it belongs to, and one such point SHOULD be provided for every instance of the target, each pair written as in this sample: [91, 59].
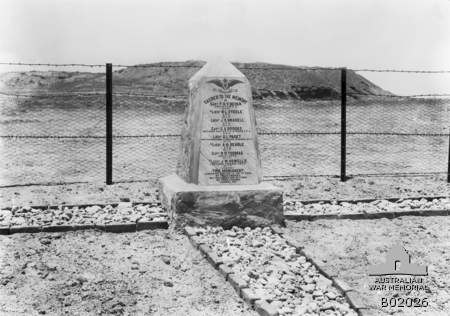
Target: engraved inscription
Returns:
[227, 149]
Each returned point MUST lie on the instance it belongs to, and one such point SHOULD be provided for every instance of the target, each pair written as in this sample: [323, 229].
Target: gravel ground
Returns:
[124, 212]
[275, 272]
[18, 198]
[348, 247]
[94, 273]
[303, 189]
[293, 206]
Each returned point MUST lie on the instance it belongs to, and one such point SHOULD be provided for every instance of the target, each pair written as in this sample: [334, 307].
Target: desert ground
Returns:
[92, 273]
[159, 272]
[349, 247]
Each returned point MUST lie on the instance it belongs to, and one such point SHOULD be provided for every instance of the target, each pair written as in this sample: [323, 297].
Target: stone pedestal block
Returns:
[221, 205]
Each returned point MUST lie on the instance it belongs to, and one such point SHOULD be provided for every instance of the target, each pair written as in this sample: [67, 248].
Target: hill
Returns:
[160, 78]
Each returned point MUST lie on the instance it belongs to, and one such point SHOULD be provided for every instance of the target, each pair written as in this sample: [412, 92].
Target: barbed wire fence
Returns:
[132, 136]
[405, 133]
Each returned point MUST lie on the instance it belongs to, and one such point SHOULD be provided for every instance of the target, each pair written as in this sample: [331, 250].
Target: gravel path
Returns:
[348, 247]
[94, 273]
[124, 212]
[274, 271]
[293, 206]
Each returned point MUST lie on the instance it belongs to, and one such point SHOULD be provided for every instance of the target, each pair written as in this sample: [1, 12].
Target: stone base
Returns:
[224, 205]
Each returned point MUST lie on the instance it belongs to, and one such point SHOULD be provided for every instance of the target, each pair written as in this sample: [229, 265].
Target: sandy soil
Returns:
[93, 273]
[302, 189]
[348, 247]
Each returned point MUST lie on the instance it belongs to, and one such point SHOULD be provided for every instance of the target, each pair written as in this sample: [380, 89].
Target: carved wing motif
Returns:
[233, 82]
[217, 82]
[225, 83]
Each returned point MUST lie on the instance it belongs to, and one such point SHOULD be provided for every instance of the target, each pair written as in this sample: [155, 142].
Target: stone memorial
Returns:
[219, 177]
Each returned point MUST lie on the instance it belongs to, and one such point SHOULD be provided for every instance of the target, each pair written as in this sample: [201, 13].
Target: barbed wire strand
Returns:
[243, 67]
[297, 176]
[397, 174]
[259, 133]
[164, 66]
[289, 68]
[437, 95]
[393, 174]
[268, 177]
[157, 95]
[55, 94]
[403, 70]
[50, 64]
[132, 94]
[53, 136]
[88, 93]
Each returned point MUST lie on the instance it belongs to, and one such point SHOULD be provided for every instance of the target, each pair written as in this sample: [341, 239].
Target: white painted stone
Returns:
[220, 142]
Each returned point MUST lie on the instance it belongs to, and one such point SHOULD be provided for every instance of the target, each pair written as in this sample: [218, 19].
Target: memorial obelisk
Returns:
[219, 177]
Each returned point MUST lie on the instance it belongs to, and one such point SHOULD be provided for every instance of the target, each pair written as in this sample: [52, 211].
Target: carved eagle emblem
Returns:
[225, 84]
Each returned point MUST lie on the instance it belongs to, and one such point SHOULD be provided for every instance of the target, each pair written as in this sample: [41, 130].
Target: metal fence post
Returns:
[109, 118]
[343, 123]
[448, 167]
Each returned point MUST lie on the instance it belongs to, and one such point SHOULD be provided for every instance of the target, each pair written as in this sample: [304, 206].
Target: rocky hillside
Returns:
[274, 80]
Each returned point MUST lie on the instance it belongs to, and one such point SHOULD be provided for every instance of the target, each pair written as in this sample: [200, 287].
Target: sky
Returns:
[380, 34]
